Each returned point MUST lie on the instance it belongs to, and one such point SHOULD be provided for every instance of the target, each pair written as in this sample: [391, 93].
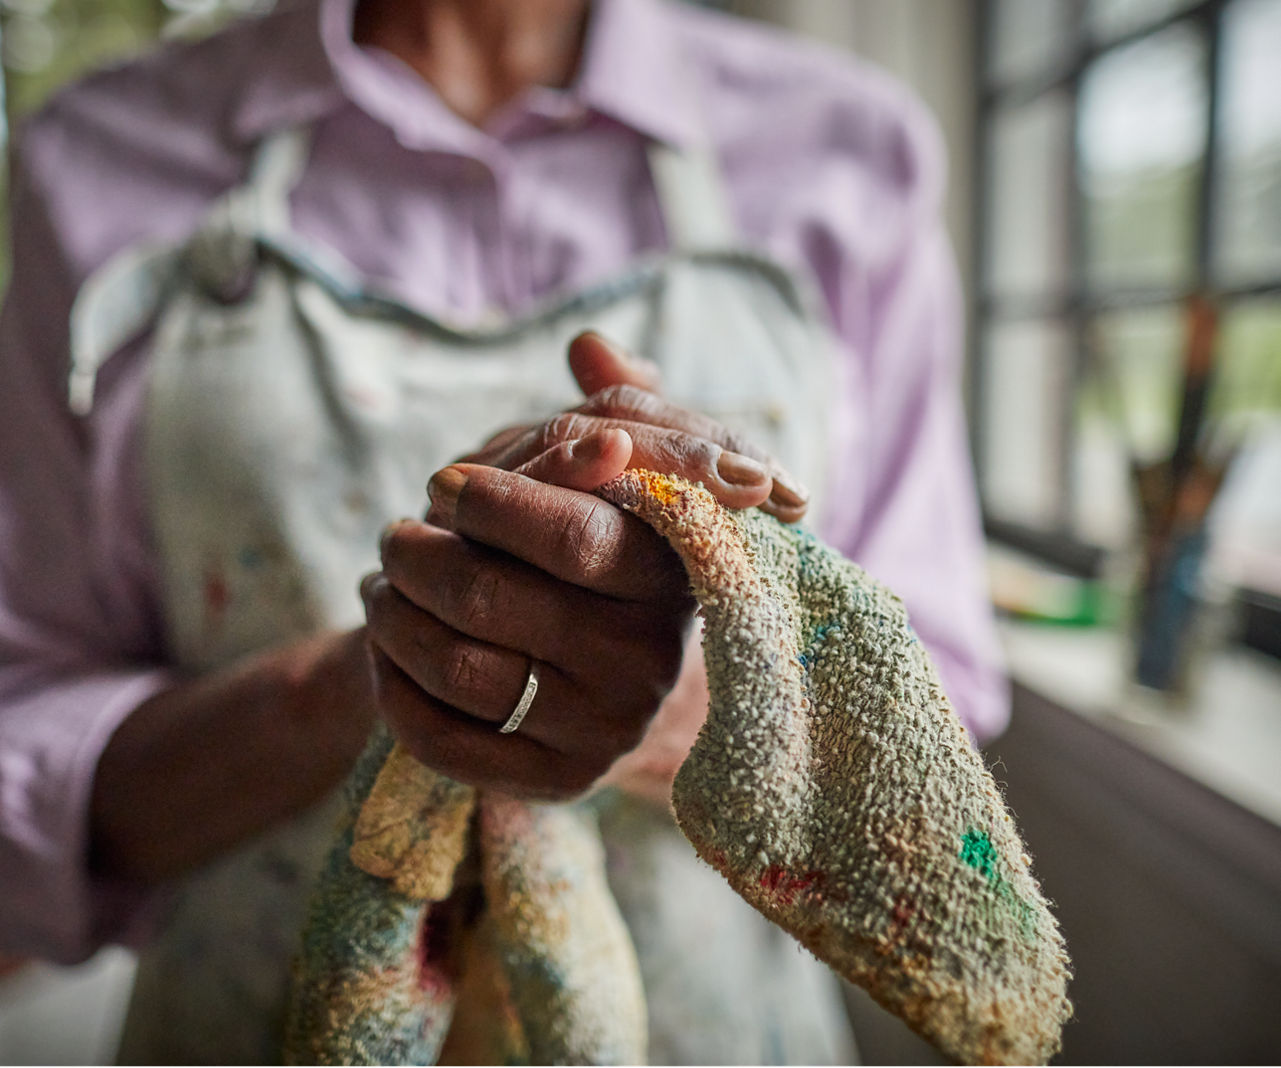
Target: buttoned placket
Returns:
[505, 232]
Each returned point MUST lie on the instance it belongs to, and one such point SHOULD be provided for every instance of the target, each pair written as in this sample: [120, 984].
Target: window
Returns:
[46, 43]
[1130, 201]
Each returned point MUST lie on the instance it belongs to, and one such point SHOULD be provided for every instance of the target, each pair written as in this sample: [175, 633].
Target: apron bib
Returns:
[293, 411]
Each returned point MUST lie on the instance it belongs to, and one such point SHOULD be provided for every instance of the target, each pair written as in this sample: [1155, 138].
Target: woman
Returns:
[403, 212]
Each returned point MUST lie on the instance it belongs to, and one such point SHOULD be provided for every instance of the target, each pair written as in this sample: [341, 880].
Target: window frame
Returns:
[1056, 542]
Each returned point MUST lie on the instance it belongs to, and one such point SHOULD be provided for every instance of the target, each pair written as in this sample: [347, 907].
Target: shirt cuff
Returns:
[52, 735]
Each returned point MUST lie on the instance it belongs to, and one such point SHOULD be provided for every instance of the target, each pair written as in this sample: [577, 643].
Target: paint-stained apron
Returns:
[292, 412]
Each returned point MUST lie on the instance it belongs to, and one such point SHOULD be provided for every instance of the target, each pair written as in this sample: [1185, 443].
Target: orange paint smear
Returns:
[660, 487]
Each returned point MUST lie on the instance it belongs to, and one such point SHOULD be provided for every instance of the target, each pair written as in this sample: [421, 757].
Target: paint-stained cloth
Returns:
[831, 785]
[829, 167]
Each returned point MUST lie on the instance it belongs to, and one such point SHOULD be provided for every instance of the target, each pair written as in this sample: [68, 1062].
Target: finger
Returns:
[696, 448]
[493, 597]
[598, 363]
[487, 681]
[788, 496]
[469, 750]
[737, 481]
[582, 464]
[471, 676]
[572, 535]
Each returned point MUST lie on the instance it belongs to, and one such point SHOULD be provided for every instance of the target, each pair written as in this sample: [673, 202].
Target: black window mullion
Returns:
[1075, 309]
[1211, 19]
[1077, 306]
[981, 204]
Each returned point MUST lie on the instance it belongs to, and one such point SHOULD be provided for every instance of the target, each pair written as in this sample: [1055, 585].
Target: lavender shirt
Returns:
[830, 167]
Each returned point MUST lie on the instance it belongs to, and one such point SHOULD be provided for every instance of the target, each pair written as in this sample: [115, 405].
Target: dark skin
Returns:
[516, 561]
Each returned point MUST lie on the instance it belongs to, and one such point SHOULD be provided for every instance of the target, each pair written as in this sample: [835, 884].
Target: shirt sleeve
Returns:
[918, 530]
[77, 653]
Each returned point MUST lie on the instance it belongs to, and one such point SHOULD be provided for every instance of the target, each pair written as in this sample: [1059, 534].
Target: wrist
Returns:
[205, 765]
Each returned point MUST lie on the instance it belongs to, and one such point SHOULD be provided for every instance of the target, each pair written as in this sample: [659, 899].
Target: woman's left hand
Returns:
[512, 573]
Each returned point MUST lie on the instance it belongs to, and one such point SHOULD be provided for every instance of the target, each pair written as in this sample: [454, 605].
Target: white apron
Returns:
[292, 412]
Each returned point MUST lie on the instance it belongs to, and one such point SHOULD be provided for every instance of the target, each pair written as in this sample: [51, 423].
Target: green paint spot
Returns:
[978, 852]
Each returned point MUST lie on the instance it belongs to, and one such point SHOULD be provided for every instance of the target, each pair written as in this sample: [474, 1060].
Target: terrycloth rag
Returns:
[831, 785]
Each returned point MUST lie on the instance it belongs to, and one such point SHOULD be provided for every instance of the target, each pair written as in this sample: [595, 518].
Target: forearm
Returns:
[207, 764]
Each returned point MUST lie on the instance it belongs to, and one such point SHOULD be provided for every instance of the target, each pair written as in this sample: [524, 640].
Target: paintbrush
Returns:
[1202, 327]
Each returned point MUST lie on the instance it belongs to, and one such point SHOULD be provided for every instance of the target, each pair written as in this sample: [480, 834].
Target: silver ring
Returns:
[526, 699]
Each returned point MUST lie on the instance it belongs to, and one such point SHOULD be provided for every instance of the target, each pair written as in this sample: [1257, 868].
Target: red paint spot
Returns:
[216, 593]
[784, 885]
[905, 911]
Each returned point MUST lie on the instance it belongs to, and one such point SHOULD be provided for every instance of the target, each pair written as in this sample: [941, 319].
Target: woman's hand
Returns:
[514, 571]
[620, 395]
[518, 564]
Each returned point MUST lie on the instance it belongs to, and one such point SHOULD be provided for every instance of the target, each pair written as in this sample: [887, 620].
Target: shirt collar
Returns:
[634, 70]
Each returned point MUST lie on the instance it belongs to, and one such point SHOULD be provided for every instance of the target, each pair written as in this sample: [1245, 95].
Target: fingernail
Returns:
[740, 470]
[388, 531]
[443, 489]
[787, 491]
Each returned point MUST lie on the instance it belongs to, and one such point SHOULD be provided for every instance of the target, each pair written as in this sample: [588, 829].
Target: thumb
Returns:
[598, 364]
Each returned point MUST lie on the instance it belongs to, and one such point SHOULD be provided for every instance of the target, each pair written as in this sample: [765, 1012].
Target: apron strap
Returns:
[112, 308]
[277, 166]
[691, 190]
[691, 193]
[120, 299]
[692, 197]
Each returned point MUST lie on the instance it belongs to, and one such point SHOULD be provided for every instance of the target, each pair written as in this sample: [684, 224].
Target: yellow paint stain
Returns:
[660, 487]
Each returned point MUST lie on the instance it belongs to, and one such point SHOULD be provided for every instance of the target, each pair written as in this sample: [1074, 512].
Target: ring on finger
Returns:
[526, 699]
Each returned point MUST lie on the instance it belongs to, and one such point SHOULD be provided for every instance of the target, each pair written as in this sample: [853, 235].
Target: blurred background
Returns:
[1115, 204]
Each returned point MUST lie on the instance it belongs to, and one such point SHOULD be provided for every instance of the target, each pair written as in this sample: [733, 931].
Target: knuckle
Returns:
[736, 441]
[561, 428]
[586, 537]
[461, 668]
[627, 401]
[694, 456]
[478, 598]
[616, 398]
